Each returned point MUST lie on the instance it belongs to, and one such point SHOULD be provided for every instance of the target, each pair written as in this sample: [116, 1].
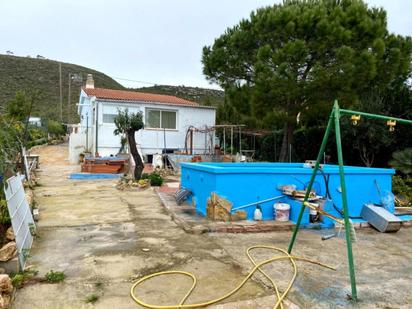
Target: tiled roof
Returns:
[125, 95]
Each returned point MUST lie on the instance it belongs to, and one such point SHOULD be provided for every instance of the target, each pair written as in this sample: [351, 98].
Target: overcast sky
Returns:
[156, 41]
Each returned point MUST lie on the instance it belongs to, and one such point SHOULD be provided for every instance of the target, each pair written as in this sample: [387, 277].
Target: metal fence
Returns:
[21, 216]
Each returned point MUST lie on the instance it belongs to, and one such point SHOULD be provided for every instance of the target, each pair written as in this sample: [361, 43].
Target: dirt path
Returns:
[95, 234]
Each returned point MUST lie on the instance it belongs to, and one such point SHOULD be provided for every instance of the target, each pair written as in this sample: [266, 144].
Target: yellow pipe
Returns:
[257, 267]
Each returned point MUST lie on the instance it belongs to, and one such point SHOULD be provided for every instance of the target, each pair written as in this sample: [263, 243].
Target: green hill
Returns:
[204, 96]
[42, 75]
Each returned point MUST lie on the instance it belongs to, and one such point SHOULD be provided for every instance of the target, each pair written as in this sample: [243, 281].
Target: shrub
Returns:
[4, 213]
[55, 276]
[55, 128]
[92, 298]
[155, 179]
[402, 187]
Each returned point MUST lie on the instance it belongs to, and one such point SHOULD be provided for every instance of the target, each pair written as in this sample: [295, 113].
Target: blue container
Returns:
[244, 183]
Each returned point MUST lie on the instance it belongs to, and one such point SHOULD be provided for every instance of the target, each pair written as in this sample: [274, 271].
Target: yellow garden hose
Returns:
[257, 267]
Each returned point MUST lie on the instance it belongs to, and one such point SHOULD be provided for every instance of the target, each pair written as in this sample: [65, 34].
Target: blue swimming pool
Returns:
[243, 183]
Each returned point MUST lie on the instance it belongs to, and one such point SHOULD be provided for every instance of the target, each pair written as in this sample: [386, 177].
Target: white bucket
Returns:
[281, 211]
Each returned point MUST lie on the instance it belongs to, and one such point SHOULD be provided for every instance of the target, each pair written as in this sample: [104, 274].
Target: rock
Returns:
[2, 302]
[6, 300]
[5, 284]
[8, 251]
[10, 234]
[2, 270]
[29, 197]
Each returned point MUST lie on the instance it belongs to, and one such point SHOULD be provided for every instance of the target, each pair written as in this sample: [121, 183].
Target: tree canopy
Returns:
[295, 58]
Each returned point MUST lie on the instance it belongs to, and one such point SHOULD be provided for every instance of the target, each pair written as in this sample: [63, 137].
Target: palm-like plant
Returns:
[402, 161]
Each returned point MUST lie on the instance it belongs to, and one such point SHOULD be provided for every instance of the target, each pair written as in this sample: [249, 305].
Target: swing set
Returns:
[334, 120]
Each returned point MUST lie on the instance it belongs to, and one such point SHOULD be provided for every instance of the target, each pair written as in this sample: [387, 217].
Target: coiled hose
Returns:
[257, 267]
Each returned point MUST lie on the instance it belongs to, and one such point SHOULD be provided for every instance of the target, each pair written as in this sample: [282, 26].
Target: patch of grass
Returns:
[19, 279]
[99, 284]
[92, 298]
[55, 276]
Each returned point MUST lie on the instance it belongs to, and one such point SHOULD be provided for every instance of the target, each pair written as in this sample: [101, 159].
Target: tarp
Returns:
[87, 176]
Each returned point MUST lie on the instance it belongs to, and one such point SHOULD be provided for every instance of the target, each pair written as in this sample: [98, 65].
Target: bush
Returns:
[155, 179]
[55, 276]
[55, 128]
[4, 213]
[403, 187]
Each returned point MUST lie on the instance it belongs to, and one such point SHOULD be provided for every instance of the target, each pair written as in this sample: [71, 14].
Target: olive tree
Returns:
[127, 124]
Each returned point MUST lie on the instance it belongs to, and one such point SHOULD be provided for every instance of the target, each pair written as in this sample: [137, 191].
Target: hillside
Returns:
[204, 96]
[30, 74]
[42, 75]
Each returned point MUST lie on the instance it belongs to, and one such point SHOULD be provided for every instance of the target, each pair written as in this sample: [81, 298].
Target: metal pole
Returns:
[87, 131]
[240, 140]
[345, 203]
[224, 141]
[231, 140]
[290, 153]
[164, 140]
[375, 116]
[205, 140]
[68, 101]
[61, 92]
[191, 141]
[312, 179]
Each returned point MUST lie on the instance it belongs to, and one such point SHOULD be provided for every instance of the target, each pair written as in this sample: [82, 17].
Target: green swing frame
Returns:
[334, 121]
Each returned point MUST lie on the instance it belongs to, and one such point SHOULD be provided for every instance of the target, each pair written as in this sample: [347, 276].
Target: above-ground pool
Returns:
[244, 183]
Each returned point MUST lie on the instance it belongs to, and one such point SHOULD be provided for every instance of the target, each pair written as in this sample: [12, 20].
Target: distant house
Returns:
[167, 120]
[35, 121]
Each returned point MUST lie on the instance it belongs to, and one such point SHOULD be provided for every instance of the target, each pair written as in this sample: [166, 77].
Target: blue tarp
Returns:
[87, 176]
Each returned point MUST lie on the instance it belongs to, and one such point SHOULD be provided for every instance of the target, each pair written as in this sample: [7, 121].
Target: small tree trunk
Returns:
[287, 140]
[138, 169]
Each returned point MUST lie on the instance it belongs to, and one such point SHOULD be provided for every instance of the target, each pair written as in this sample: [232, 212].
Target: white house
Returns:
[167, 120]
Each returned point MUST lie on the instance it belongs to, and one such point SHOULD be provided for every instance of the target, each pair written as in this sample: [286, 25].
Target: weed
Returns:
[32, 229]
[19, 279]
[98, 284]
[55, 276]
[92, 298]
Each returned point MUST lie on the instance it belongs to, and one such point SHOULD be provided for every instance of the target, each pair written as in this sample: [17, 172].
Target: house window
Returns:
[109, 118]
[162, 119]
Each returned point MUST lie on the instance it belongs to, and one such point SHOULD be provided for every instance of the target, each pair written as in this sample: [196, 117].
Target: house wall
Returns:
[152, 141]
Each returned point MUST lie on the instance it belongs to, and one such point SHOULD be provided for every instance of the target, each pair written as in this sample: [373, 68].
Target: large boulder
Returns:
[8, 251]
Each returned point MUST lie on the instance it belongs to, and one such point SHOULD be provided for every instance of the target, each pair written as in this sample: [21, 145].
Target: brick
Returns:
[406, 223]
[251, 228]
[237, 229]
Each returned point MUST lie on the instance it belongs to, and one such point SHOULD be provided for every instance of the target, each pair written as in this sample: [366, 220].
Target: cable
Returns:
[257, 267]
[340, 211]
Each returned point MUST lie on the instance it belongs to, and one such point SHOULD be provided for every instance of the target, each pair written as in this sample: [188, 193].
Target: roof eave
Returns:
[154, 102]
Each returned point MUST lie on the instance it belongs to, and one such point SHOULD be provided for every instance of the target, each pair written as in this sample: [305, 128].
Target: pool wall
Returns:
[244, 183]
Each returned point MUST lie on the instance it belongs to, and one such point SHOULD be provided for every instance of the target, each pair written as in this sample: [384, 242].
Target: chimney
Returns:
[89, 82]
